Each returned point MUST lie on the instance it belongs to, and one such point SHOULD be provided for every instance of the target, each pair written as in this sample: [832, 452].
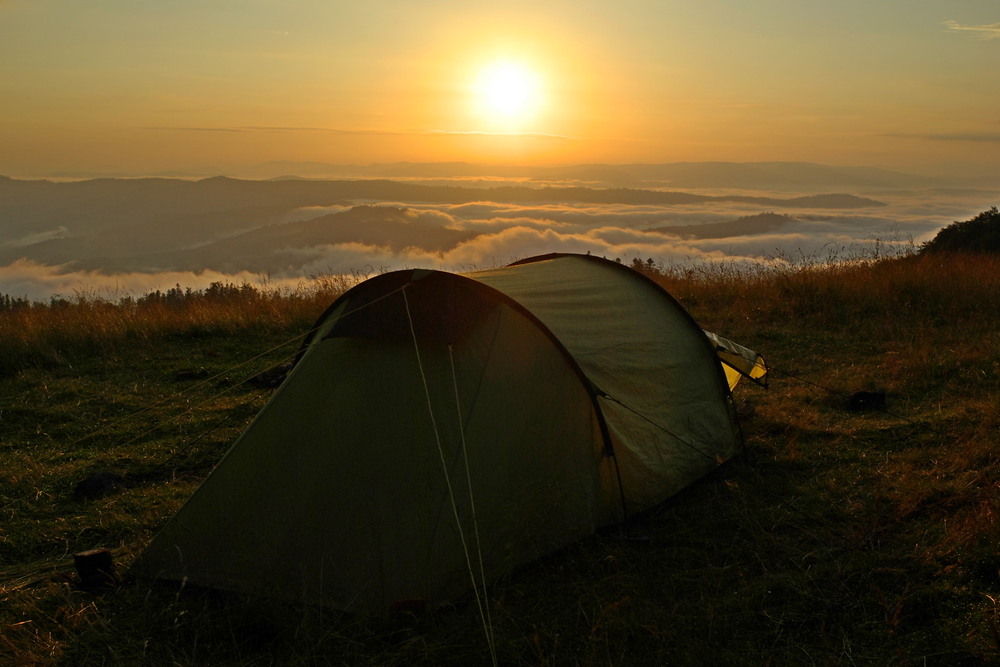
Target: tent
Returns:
[439, 429]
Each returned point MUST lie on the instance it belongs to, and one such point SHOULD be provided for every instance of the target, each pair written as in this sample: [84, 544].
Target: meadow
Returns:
[836, 538]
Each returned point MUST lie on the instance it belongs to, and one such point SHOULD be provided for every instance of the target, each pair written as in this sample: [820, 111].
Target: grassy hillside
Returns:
[838, 538]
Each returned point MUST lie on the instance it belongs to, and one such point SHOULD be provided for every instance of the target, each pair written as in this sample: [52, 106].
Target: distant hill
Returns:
[781, 176]
[281, 247]
[232, 224]
[752, 224]
[804, 177]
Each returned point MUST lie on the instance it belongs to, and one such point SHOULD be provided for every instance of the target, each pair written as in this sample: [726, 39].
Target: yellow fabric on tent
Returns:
[738, 361]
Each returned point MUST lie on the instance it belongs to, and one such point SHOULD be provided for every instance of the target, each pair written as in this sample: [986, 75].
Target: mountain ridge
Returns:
[773, 175]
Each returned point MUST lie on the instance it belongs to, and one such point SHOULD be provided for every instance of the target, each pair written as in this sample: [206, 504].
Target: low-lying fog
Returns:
[118, 237]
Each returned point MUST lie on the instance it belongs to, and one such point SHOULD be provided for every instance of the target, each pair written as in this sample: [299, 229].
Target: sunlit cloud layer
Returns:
[976, 137]
[488, 234]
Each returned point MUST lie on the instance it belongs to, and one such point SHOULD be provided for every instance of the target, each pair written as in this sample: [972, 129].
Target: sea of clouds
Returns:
[496, 234]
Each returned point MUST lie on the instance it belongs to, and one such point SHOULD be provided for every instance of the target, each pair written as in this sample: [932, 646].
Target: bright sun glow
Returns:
[508, 93]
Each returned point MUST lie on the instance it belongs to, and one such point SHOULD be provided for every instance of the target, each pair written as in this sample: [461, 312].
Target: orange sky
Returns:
[121, 86]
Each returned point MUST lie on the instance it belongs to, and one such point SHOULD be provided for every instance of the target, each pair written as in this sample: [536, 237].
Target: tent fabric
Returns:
[441, 428]
[660, 389]
[739, 362]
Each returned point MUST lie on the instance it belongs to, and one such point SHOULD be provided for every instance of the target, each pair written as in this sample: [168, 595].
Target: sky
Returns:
[136, 86]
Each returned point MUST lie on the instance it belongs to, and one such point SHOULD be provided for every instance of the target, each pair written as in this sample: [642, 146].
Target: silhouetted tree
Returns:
[221, 291]
[649, 266]
[8, 302]
[981, 234]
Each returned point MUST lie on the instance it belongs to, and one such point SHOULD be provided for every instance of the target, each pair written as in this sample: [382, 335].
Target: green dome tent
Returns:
[439, 429]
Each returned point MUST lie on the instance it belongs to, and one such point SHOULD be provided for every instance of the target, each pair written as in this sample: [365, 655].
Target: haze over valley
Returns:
[117, 237]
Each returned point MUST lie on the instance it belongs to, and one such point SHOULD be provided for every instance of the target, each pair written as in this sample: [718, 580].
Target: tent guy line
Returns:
[349, 432]
[295, 340]
[299, 338]
[845, 396]
[484, 605]
[184, 392]
[529, 344]
[661, 428]
[476, 584]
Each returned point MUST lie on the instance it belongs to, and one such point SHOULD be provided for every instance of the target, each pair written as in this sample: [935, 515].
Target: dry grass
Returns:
[63, 330]
[840, 538]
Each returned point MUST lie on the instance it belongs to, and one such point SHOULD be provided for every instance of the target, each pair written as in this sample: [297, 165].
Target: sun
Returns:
[508, 93]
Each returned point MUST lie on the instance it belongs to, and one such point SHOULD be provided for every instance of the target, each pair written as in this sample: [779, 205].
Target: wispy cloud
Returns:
[37, 237]
[334, 130]
[480, 133]
[275, 128]
[981, 137]
[986, 31]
